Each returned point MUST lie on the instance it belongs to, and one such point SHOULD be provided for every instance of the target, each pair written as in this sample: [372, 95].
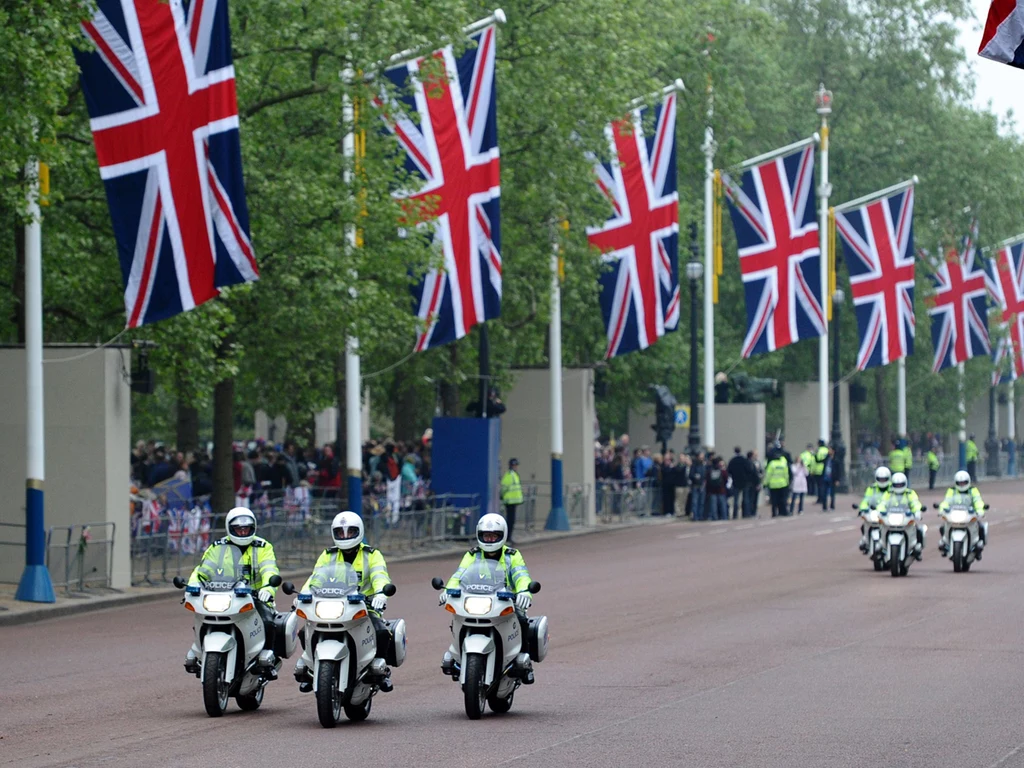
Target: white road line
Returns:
[826, 531]
[744, 527]
[688, 536]
[847, 528]
[838, 519]
[720, 530]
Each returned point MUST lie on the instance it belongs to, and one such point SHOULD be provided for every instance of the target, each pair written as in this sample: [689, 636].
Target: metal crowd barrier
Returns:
[532, 514]
[12, 552]
[625, 498]
[80, 556]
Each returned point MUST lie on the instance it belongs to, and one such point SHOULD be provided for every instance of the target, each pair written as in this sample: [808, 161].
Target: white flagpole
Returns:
[1011, 429]
[709, 274]
[353, 409]
[901, 397]
[963, 416]
[35, 585]
[557, 519]
[824, 108]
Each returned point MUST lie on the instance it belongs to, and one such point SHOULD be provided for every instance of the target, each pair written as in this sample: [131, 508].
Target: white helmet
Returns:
[899, 483]
[347, 530]
[962, 480]
[882, 477]
[241, 526]
[491, 532]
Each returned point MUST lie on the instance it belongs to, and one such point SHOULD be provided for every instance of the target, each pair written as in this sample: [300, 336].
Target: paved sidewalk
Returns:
[16, 612]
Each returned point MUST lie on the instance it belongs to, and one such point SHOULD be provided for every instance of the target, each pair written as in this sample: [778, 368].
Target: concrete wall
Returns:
[739, 424]
[87, 442]
[801, 425]
[526, 431]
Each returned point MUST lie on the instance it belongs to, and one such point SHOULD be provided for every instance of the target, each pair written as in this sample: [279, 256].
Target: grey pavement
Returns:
[750, 643]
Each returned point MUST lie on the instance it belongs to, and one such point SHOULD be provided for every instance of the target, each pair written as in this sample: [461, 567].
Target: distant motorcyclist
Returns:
[874, 495]
[368, 562]
[491, 535]
[240, 556]
[964, 493]
[902, 497]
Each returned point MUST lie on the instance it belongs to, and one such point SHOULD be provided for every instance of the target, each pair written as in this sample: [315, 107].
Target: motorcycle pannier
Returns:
[538, 638]
[286, 632]
[396, 645]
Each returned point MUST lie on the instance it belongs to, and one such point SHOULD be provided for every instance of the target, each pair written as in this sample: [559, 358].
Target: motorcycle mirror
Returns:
[935, 505]
[178, 582]
[437, 582]
[534, 587]
[389, 590]
[288, 588]
[274, 581]
[986, 506]
[856, 507]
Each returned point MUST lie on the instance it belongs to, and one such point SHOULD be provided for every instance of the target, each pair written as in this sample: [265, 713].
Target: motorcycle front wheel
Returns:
[250, 702]
[328, 697]
[958, 556]
[475, 689]
[215, 688]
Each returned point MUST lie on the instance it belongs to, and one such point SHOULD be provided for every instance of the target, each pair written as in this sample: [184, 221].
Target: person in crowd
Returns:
[261, 468]
[698, 491]
[716, 484]
[741, 473]
[328, 476]
[820, 455]
[972, 458]
[800, 474]
[808, 460]
[669, 482]
[161, 468]
[933, 467]
[757, 478]
[830, 477]
[511, 495]
[494, 405]
[776, 476]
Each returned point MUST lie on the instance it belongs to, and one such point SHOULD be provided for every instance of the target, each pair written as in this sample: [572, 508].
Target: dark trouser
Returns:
[812, 484]
[828, 490]
[792, 502]
[739, 503]
[384, 638]
[931, 479]
[750, 502]
[668, 500]
[268, 614]
[510, 518]
[972, 469]
[778, 497]
[820, 482]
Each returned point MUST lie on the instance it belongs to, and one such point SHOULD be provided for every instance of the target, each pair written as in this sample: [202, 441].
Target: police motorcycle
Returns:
[899, 536]
[873, 529]
[489, 656]
[963, 530]
[237, 659]
[341, 645]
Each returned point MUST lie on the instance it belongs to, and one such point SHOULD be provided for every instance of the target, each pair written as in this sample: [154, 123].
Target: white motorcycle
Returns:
[873, 529]
[963, 531]
[486, 655]
[231, 633]
[341, 645]
[899, 536]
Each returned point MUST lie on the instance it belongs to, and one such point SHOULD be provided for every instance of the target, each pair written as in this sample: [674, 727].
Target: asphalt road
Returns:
[727, 644]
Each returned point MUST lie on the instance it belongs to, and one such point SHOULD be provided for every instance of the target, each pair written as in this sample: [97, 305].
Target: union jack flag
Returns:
[772, 212]
[958, 308]
[1004, 274]
[640, 293]
[878, 246]
[160, 89]
[1003, 38]
[453, 149]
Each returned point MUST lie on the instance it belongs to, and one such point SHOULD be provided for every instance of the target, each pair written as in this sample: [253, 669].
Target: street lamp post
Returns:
[694, 272]
[837, 432]
[992, 443]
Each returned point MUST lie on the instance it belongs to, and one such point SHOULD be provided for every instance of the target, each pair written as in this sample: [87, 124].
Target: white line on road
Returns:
[847, 528]
[826, 531]
[688, 536]
[744, 527]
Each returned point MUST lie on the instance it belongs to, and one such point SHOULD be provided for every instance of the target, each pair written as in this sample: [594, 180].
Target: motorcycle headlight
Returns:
[217, 603]
[896, 518]
[329, 609]
[873, 516]
[477, 606]
[958, 516]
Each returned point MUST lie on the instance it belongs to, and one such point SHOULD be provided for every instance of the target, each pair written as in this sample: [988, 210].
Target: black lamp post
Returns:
[837, 432]
[992, 443]
[694, 272]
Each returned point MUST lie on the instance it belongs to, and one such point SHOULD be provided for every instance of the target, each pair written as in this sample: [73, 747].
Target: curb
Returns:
[158, 593]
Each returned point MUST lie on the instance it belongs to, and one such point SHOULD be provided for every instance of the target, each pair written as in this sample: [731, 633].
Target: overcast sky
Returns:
[997, 83]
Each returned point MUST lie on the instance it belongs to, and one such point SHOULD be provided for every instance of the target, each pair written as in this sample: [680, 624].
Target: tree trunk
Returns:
[223, 498]
[882, 403]
[449, 387]
[406, 402]
[341, 446]
[18, 283]
[187, 438]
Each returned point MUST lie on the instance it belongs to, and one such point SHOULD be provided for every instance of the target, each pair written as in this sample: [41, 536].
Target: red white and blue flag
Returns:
[640, 292]
[878, 246]
[1005, 275]
[452, 147]
[1003, 38]
[160, 89]
[958, 307]
[772, 212]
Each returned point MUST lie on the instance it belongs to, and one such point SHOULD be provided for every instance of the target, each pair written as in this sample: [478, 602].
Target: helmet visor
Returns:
[963, 485]
[489, 537]
[242, 526]
[346, 532]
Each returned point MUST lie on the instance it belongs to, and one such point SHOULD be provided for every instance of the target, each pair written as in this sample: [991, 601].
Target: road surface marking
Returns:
[826, 531]
[688, 536]
[847, 528]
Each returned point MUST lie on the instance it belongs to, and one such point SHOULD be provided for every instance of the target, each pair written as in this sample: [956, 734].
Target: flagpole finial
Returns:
[823, 100]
